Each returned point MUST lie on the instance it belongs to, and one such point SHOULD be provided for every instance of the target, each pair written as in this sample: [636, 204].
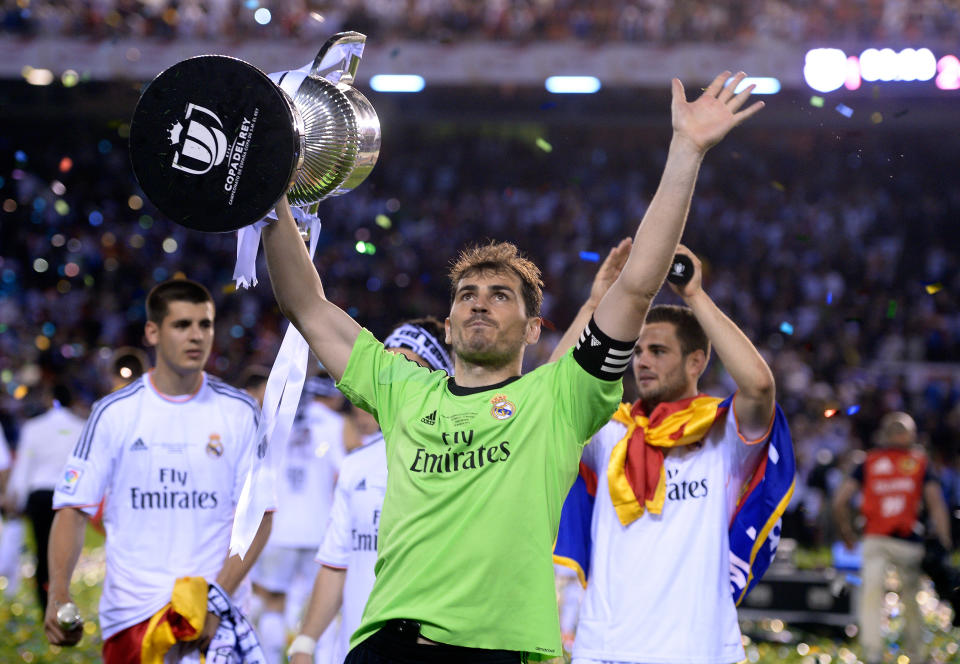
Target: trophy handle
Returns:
[338, 59]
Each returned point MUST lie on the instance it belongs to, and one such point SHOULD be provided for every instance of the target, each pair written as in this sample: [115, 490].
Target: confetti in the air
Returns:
[816, 101]
[853, 410]
[590, 256]
[786, 327]
[935, 287]
[892, 309]
[829, 297]
[845, 110]
[830, 412]
[544, 145]
[778, 186]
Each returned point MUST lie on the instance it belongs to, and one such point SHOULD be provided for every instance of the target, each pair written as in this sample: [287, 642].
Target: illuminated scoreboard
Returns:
[829, 69]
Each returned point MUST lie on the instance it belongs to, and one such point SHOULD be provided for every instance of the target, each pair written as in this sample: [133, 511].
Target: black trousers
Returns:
[39, 510]
[396, 643]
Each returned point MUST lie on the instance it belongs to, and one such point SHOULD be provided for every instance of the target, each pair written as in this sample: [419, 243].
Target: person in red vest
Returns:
[896, 481]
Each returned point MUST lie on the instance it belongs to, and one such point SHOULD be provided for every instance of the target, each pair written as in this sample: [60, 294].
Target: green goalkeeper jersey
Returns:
[476, 480]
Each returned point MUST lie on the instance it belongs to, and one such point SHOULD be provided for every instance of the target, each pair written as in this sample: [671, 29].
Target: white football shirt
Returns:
[171, 469]
[305, 490]
[351, 539]
[45, 444]
[659, 588]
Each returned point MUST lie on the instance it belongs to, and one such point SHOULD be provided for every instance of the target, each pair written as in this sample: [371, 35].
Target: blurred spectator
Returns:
[45, 444]
[643, 21]
[896, 481]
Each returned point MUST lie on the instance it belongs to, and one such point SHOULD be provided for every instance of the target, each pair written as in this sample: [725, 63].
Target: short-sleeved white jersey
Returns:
[351, 538]
[659, 588]
[305, 490]
[45, 444]
[171, 469]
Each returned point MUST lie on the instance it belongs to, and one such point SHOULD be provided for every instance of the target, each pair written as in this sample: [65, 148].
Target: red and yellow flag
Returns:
[180, 620]
[635, 474]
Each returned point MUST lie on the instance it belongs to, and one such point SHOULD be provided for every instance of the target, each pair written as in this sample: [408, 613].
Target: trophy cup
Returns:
[215, 142]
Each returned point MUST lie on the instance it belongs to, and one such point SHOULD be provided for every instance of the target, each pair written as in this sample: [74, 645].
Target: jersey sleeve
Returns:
[585, 401]
[743, 455]
[334, 550]
[594, 456]
[90, 467]
[377, 380]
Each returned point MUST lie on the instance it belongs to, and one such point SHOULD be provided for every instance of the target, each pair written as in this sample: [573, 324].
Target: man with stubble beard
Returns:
[668, 474]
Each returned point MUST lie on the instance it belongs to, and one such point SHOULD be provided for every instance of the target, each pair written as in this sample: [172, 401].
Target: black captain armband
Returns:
[601, 356]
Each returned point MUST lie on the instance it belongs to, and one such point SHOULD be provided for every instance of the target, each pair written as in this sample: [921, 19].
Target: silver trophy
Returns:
[215, 143]
[341, 130]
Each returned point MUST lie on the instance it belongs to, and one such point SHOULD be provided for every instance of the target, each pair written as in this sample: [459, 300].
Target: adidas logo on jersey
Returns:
[594, 341]
[138, 445]
[362, 486]
[430, 419]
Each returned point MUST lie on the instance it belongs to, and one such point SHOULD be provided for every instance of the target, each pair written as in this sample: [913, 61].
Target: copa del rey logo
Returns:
[204, 145]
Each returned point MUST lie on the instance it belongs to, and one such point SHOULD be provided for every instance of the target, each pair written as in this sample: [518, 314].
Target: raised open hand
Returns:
[707, 120]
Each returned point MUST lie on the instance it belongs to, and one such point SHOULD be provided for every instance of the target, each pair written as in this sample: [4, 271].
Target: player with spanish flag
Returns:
[676, 511]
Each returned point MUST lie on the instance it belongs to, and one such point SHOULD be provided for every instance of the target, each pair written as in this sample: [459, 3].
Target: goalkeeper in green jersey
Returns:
[479, 463]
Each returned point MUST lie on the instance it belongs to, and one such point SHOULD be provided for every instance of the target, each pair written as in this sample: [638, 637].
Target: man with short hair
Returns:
[171, 451]
[479, 463]
[667, 476]
[896, 480]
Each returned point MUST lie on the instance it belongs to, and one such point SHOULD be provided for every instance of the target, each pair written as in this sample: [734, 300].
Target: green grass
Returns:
[21, 624]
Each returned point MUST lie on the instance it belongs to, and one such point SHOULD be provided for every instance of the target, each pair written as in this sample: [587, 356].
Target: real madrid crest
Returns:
[214, 446]
[503, 408]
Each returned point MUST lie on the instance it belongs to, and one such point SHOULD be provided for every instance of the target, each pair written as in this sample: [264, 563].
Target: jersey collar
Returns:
[460, 391]
[179, 398]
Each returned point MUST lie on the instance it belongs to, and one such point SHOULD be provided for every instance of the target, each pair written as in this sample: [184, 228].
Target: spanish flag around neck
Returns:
[635, 473]
[754, 530]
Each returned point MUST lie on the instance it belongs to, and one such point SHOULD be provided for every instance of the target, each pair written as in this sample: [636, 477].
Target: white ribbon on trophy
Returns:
[285, 383]
[280, 402]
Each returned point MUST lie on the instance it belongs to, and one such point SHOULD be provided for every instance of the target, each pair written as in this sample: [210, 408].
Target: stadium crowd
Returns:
[644, 21]
[845, 274]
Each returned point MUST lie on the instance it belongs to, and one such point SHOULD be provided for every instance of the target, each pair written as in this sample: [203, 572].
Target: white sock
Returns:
[273, 636]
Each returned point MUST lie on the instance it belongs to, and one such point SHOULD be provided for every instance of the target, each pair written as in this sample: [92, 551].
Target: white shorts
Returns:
[278, 567]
